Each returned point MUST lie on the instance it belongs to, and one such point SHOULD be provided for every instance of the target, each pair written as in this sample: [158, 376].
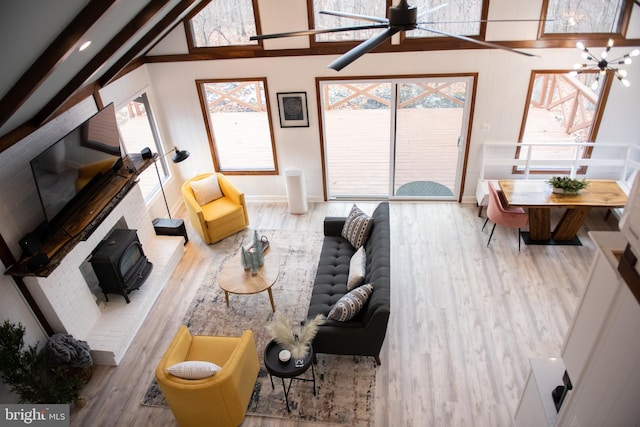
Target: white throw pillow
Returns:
[206, 190]
[357, 267]
[193, 370]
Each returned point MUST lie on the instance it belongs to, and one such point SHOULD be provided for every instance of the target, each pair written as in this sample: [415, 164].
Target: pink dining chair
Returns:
[498, 213]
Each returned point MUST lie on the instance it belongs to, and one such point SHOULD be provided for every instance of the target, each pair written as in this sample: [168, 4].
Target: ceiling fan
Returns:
[402, 17]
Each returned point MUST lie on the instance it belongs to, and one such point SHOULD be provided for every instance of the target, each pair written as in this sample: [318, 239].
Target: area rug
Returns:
[345, 385]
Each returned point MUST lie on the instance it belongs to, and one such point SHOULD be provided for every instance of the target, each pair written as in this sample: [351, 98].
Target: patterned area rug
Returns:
[345, 385]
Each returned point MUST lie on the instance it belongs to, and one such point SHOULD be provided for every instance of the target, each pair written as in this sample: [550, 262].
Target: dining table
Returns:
[538, 197]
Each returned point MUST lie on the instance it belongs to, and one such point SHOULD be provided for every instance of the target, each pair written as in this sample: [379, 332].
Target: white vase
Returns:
[561, 191]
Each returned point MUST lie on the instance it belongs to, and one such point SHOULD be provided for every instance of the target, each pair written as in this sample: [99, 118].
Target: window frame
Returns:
[163, 169]
[345, 43]
[224, 50]
[210, 131]
[606, 83]
[620, 34]
[448, 41]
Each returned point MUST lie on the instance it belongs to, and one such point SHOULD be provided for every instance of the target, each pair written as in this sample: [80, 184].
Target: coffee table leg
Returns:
[273, 305]
[226, 297]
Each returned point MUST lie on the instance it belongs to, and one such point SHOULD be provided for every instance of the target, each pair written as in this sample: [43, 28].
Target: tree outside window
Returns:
[583, 16]
[223, 23]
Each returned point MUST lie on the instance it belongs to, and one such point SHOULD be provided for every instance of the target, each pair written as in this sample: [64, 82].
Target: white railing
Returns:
[612, 161]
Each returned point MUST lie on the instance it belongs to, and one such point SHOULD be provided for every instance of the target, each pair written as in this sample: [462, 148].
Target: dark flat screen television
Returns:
[75, 167]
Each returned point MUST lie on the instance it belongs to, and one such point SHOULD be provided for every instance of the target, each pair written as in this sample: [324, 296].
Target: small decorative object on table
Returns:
[297, 345]
[253, 255]
[565, 184]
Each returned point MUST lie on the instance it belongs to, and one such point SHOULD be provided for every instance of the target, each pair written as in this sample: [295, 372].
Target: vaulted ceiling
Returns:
[43, 67]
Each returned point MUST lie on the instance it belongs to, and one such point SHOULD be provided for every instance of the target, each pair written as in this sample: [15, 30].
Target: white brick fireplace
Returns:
[70, 306]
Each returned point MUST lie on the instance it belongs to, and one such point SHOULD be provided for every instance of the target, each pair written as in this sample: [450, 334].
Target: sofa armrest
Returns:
[333, 225]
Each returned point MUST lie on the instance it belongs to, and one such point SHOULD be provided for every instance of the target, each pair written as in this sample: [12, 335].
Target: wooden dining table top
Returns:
[539, 193]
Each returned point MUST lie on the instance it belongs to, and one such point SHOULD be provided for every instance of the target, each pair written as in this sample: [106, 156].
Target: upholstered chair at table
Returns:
[219, 400]
[499, 213]
[216, 208]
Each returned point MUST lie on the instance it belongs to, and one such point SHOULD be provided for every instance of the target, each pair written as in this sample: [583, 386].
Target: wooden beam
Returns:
[128, 60]
[8, 260]
[55, 54]
[128, 31]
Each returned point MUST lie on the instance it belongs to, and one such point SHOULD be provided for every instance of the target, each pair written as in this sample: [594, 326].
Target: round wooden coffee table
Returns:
[233, 278]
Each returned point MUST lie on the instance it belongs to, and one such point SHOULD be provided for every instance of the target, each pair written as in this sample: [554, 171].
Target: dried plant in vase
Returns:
[298, 345]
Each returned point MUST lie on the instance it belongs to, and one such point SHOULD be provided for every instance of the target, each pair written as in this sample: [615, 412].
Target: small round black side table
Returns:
[291, 369]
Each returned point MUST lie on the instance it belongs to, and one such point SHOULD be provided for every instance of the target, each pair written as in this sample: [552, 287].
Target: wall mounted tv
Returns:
[75, 167]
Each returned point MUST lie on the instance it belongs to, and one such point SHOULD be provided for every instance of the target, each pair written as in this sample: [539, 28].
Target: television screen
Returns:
[77, 162]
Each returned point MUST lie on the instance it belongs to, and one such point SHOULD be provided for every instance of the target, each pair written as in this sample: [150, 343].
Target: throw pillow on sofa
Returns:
[357, 227]
[357, 267]
[206, 190]
[351, 303]
[193, 370]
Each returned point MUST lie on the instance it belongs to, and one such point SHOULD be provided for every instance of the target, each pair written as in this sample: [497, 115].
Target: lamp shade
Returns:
[180, 155]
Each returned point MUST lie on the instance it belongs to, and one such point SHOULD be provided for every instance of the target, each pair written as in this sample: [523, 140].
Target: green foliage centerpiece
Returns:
[298, 345]
[253, 256]
[566, 184]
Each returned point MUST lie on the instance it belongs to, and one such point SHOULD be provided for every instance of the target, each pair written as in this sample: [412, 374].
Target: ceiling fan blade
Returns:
[312, 32]
[362, 48]
[484, 20]
[433, 9]
[355, 16]
[480, 42]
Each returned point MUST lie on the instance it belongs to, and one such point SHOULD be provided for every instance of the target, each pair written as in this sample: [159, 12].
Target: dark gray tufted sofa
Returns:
[364, 334]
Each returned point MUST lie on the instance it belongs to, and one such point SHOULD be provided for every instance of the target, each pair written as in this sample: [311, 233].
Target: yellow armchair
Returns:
[220, 400]
[220, 218]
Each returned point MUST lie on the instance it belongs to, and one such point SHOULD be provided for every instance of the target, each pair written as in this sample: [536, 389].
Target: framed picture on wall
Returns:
[292, 107]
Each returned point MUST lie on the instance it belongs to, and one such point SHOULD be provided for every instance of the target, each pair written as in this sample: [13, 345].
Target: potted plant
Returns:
[55, 374]
[565, 184]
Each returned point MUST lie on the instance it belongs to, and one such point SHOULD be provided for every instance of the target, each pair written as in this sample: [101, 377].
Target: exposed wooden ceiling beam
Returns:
[55, 53]
[169, 21]
[128, 31]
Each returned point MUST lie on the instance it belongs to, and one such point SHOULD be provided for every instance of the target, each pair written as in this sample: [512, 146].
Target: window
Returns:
[138, 130]
[585, 16]
[457, 16]
[238, 123]
[363, 7]
[562, 109]
[223, 23]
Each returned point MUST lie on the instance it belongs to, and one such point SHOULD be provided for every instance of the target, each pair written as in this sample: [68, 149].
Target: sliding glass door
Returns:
[400, 138]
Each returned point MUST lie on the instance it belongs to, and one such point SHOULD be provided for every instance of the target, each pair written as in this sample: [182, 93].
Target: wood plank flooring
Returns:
[465, 318]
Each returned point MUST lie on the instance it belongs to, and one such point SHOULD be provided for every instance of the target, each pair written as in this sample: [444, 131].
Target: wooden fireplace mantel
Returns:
[82, 222]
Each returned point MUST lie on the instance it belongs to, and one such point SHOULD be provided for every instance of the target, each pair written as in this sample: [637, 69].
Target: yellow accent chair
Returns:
[220, 400]
[220, 218]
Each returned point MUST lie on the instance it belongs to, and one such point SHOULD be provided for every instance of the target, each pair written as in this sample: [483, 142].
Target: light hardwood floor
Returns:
[465, 318]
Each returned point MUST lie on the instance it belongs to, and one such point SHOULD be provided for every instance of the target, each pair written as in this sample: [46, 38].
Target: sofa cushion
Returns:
[357, 227]
[357, 267]
[206, 190]
[350, 304]
[193, 370]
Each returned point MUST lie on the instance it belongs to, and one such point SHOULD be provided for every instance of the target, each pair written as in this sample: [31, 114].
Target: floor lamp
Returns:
[170, 226]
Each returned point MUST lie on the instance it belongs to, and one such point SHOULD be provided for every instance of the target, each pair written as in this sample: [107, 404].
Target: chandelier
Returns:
[601, 63]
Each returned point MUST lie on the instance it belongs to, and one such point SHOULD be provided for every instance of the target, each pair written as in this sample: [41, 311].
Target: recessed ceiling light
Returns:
[84, 45]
